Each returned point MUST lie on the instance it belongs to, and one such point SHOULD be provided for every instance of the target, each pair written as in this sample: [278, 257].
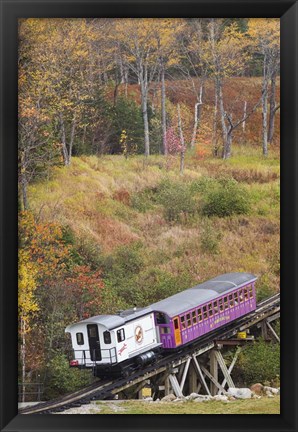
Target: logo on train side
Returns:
[122, 349]
[139, 335]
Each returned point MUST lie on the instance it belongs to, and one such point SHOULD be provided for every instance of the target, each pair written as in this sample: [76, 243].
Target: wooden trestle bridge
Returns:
[195, 368]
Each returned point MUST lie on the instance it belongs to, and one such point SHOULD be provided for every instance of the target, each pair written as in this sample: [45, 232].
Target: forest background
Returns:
[148, 163]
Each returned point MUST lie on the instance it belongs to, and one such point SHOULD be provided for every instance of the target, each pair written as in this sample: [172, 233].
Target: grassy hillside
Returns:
[149, 228]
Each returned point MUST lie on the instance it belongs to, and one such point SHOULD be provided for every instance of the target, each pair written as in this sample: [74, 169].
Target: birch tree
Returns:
[140, 50]
[265, 40]
[168, 34]
[225, 53]
[193, 67]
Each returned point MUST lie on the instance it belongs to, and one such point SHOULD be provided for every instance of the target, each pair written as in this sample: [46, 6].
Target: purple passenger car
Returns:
[192, 313]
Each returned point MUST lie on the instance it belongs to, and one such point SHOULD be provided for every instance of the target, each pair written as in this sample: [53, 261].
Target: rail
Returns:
[85, 358]
[104, 389]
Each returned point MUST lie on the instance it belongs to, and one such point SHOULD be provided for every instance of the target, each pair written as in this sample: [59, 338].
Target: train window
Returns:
[210, 309]
[161, 318]
[107, 337]
[199, 315]
[245, 294]
[205, 312]
[165, 330]
[120, 335]
[226, 303]
[92, 331]
[194, 317]
[220, 302]
[188, 320]
[215, 308]
[236, 298]
[80, 338]
[241, 298]
[251, 294]
[231, 302]
[183, 325]
[176, 324]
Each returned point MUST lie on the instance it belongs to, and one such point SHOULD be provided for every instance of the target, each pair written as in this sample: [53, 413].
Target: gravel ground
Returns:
[84, 409]
[92, 408]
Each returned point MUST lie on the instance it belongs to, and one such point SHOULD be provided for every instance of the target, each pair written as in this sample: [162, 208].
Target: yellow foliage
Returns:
[27, 274]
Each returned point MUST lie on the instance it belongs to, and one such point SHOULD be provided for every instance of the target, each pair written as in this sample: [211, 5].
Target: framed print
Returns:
[148, 215]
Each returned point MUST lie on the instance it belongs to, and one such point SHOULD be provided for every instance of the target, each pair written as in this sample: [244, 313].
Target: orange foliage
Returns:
[84, 290]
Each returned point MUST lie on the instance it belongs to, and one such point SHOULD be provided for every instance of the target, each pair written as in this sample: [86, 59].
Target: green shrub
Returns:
[227, 199]
[126, 261]
[177, 200]
[264, 288]
[260, 362]
[204, 185]
[90, 252]
[144, 200]
[156, 284]
[63, 379]
[209, 238]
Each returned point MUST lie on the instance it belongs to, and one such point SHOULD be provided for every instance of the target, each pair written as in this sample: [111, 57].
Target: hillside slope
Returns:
[143, 224]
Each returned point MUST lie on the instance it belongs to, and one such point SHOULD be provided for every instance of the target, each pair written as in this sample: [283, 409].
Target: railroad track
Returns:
[103, 389]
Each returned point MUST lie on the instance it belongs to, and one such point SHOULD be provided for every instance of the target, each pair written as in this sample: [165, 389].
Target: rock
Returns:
[255, 396]
[168, 398]
[203, 398]
[271, 390]
[193, 396]
[257, 388]
[208, 398]
[178, 399]
[221, 398]
[240, 393]
[149, 398]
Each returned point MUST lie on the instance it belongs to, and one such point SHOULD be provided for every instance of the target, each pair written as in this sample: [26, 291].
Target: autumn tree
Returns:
[225, 54]
[38, 150]
[192, 66]
[27, 305]
[42, 256]
[84, 291]
[168, 33]
[140, 49]
[264, 35]
[61, 73]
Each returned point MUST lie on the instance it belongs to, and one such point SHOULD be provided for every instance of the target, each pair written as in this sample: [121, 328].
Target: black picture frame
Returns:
[11, 10]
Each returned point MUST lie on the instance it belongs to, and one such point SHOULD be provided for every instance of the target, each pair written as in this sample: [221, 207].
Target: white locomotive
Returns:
[111, 343]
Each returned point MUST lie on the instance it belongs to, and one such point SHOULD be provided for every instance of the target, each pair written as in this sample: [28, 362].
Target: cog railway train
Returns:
[114, 345]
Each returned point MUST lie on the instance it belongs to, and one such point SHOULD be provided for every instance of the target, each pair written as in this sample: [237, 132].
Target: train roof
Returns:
[199, 294]
[113, 321]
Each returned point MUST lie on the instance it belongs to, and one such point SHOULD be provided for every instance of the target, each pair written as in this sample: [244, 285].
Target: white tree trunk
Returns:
[163, 111]
[244, 115]
[182, 151]
[214, 131]
[196, 119]
[272, 109]
[63, 141]
[23, 357]
[265, 107]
